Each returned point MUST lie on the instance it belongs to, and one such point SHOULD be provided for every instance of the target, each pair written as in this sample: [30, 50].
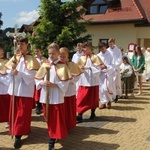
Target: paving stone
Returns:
[126, 126]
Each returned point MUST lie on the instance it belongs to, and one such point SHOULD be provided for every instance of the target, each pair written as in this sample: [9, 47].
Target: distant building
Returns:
[29, 28]
[124, 20]
[127, 21]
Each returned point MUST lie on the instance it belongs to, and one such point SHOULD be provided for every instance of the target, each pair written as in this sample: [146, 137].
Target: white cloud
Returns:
[27, 17]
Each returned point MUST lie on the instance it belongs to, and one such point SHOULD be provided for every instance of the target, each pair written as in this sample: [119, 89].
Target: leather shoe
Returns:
[18, 143]
[116, 99]
[51, 148]
[102, 106]
[109, 105]
[79, 118]
[92, 116]
[38, 111]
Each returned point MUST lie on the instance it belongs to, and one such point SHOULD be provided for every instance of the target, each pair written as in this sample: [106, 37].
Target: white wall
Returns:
[122, 33]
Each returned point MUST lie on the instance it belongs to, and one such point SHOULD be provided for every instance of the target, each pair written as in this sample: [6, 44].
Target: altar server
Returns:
[22, 68]
[53, 79]
[88, 92]
[70, 95]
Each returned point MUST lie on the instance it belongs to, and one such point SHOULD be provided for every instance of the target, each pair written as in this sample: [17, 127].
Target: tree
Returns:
[1, 22]
[62, 22]
[6, 42]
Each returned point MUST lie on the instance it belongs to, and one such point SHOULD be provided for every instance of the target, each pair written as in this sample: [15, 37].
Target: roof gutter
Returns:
[119, 21]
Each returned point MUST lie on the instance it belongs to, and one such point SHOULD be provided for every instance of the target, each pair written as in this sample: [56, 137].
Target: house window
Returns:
[98, 7]
[114, 4]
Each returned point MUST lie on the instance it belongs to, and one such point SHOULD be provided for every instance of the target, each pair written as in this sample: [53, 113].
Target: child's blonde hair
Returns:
[54, 45]
[64, 49]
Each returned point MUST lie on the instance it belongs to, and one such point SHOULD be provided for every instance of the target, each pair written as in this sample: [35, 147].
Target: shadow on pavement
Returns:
[129, 108]
[38, 118]
[133, 101]
[117, 119]
[37, 135]
[4, 133]
[77, 140]
[141, 97]
[3, 148]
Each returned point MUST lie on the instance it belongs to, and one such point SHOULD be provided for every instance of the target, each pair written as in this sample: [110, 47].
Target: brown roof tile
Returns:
[146, 7]
[131, 10]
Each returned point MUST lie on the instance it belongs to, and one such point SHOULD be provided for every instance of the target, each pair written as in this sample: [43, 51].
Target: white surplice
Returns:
[4, 84]
[76, 56]
[71, 90]
[56, 94]
[106, 78]
[90, 77]
[117, 61]
[146, 73]
[75, 59]
[24, 81]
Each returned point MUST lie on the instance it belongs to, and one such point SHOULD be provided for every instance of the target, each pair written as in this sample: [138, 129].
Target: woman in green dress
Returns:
[138, 62]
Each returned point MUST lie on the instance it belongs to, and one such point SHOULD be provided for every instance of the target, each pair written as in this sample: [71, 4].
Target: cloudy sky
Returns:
[18, 12]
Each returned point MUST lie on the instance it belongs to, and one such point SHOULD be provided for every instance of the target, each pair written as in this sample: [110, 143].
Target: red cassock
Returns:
[56, 121]
[4, 108]
[37, 95]
[70, 111]
[87, 98]
[22, 115]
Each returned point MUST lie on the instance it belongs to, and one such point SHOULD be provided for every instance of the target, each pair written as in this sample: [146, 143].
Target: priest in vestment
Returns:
[117, 61]
[146, 73]
[106, 94]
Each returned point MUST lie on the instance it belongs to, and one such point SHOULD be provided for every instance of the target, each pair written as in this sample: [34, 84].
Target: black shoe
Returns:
[51, 148]
[51, 144]
[38, 108]
[116, 99]
[38, 111]
[18, 143]
[92, 116]
[79, 118]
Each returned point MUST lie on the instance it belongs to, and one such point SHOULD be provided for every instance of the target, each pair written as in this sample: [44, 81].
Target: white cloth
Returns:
[76, 56]
[71, 90]
[117, 61]
[4, 83]
[106, 89]
[39, 60]
[75, 59]
[56, 94]
[146, 73]
[124, 67]
[90, 77]
[130, 54]
[24, 81]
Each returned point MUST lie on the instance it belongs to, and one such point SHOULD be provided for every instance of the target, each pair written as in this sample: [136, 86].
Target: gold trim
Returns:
[62, 71]
[30, 62]
[75, 70]
[94, 59]
[2, 66]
